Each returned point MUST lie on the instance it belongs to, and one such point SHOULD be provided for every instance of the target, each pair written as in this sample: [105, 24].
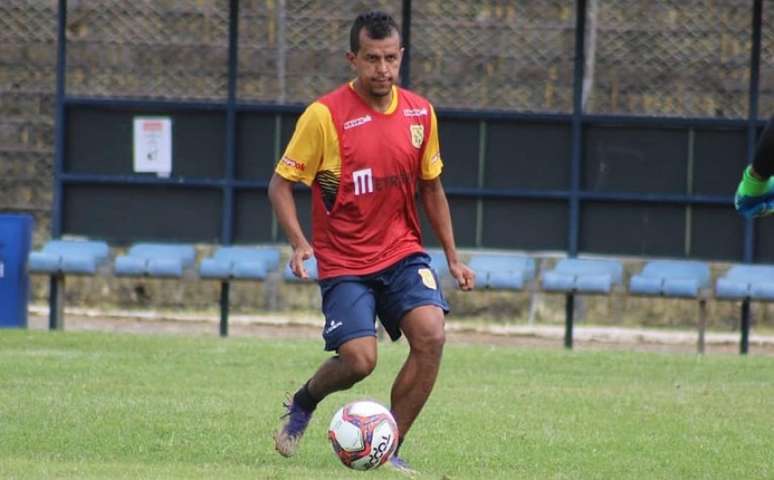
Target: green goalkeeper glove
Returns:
[754, 198]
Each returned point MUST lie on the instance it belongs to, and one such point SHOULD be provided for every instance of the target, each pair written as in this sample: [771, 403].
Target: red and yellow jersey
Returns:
[363, 167]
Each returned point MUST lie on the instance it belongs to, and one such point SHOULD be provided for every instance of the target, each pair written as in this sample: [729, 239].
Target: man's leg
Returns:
[356, 360]
[424, 330]
[349, 329]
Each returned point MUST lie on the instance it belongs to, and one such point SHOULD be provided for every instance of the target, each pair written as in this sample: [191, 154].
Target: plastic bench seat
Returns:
[240, 263]
[746, 283]
[155, 260]
[577, 275]
[678, 279]
[671, 278]
[512, 272]
[237, 263]
[755, 282]
[58, 258]
[583, 276]
[69, 256]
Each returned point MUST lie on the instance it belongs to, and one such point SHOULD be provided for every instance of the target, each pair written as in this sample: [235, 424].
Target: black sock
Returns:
[304, 399]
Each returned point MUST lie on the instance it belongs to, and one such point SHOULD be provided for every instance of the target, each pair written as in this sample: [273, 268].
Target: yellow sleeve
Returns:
[304, 153]
[431, 160]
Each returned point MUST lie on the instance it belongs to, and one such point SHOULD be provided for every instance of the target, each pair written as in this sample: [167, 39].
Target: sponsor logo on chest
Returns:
[356, 122]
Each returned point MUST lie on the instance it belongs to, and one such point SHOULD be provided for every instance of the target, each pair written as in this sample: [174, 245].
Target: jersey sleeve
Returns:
[431, 159]
[304, 153]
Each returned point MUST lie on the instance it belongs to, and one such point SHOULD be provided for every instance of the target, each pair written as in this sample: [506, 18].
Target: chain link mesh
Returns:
[293, 51]
[494, 54]
[27, 85]
[766, 101]
[673, 57]
[148, 48]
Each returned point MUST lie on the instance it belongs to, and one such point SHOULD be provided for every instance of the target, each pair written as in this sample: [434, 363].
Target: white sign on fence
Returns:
[153, 145]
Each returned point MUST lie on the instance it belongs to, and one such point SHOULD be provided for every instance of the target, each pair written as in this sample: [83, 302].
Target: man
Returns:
[366, 148]
[755, 194]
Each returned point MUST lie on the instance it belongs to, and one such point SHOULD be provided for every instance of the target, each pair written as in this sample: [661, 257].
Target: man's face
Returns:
[377, 63]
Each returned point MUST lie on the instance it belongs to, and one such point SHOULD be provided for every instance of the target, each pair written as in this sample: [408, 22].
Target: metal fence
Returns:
[688, 64]
[686, 58]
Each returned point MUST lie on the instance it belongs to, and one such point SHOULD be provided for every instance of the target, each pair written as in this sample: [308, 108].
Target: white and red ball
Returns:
[363, 434]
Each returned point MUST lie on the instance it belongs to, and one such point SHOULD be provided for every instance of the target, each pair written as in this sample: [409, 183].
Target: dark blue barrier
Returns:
[15, 243]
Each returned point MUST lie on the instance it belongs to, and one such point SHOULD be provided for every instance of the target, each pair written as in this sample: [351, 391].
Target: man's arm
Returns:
[281, 197]
[755, 193]
[437, 209]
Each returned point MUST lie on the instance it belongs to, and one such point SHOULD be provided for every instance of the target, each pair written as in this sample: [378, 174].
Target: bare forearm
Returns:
[437, 210]
[281, 197]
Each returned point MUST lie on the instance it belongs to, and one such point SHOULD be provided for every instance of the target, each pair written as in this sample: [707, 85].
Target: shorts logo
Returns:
[356, 122]
[417, 135]
[427, 278]
[364, 181]
[333, 326]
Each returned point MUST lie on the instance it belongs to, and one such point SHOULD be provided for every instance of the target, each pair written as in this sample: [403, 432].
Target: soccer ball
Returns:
[363, 435]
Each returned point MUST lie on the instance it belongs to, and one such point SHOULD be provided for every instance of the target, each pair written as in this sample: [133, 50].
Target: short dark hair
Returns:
[378, 25]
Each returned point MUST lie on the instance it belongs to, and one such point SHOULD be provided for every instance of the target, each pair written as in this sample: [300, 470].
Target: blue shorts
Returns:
[351, 303]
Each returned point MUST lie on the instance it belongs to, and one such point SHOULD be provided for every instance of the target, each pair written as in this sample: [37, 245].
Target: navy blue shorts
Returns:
[351, 303]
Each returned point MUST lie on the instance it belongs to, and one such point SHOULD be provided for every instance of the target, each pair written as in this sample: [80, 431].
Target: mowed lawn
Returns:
[121, 406]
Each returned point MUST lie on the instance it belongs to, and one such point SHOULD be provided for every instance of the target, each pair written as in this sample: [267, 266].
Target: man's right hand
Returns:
[754, 197]
[300, 253]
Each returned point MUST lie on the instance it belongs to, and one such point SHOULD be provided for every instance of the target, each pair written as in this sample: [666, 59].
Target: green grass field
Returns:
[99, 405]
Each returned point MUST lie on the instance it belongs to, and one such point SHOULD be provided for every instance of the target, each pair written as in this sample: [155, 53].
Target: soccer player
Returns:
[366, 148]
[755, 194]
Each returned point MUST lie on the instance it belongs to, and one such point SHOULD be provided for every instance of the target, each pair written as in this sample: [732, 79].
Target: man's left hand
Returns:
[465, 277]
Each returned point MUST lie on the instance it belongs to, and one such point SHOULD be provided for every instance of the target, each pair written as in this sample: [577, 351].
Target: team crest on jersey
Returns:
[417, 135]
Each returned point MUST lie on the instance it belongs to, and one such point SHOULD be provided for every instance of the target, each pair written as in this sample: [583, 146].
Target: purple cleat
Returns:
[400, 465]
[287, 438]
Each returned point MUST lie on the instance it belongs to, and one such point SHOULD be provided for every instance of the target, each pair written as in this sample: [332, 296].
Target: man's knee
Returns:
[424, 330]
[360, 361]
[432, 340]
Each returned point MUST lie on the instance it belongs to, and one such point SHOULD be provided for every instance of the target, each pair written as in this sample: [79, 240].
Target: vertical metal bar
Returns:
[225, 286]
[744, 341]
[752, 114]
[405, 67]
[577, 127]
[480, 183]
[702, 324]
[569, 313]
[59, 127]
[227, 223]
[56, 288]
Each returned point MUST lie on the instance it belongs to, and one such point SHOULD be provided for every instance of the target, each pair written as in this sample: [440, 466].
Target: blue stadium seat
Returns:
[677, 279]
[746, 283]
[755, 282]
[244, 263]
[311, 269]
[502, 271]
[671, 278]
[155, 260]
[66, 257]
[576, 275]
[583, 276]
[237, 263]
[69, 257]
